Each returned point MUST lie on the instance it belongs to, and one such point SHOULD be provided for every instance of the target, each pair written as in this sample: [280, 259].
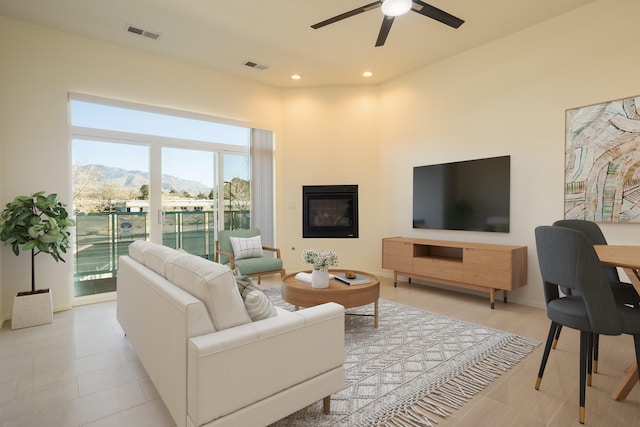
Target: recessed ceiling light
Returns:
[367, 74]
[296, 77]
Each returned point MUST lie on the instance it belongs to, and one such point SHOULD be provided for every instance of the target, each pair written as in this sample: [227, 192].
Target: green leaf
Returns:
[31, 244]
[48, 239]
[33, 232]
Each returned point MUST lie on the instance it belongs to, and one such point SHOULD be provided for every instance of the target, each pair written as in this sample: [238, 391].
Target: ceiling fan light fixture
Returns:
[396, 7]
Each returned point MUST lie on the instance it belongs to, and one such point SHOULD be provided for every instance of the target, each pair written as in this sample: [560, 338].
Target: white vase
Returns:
[319, 279]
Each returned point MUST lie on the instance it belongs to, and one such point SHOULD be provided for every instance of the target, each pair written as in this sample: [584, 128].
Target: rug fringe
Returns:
[451, 393]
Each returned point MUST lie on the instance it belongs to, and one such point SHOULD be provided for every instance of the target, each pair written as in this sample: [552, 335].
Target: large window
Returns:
[145, 173]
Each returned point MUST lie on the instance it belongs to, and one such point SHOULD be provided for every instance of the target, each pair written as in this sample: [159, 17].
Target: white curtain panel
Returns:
[262, 188]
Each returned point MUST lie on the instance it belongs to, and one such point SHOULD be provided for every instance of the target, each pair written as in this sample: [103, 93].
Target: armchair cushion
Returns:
[258, 265]
[225, 243]
[249, 247]
[269, 263]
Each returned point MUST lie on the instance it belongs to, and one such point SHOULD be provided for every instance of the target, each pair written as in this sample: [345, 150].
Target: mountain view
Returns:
[132, 180]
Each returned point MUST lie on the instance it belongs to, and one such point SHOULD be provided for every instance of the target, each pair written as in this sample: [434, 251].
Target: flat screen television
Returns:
[471, 195]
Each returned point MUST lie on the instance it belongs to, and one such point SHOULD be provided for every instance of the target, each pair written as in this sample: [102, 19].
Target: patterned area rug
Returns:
[415, 368]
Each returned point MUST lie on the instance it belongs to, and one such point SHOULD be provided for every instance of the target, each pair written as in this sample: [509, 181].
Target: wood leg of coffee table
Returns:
[375, 315]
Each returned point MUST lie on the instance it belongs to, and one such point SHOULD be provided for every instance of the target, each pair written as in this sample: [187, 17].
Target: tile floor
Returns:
[81, 371]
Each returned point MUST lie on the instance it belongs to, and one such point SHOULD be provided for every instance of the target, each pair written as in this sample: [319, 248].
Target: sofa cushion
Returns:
[259, 306]
[249, 247]
[137, 248]
[156, 258]
[152, 255]
[213, 284]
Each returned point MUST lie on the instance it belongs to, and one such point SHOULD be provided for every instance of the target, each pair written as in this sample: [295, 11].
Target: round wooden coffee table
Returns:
[301, 294]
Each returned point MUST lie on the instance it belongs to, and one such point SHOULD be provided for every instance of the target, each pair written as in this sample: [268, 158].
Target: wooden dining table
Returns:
[627, 258]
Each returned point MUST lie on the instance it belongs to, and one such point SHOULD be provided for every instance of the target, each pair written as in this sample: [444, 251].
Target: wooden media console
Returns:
[478, 266]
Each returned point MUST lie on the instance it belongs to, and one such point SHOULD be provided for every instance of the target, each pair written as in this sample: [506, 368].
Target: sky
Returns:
[186, 164]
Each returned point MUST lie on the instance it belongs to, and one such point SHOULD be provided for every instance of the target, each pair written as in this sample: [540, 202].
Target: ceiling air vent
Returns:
[255, 65]
[144, 33]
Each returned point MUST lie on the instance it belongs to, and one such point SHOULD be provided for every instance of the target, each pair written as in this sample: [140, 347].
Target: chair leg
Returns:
[547, 349]
[557, 337]
[596, 345]
[636, 341]
[590, 340]
[584, 353]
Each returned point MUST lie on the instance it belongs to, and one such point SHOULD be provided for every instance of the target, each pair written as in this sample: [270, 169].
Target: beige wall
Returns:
[40, 68]
[507, 97]
[330, 137]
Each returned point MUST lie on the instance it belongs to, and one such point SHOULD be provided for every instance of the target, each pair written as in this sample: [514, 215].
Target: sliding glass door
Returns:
[151, 175]
[110, 200]
[189, 203]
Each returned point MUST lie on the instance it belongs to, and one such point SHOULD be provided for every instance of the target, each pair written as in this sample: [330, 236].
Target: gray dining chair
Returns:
[568, 260]
[623, 292]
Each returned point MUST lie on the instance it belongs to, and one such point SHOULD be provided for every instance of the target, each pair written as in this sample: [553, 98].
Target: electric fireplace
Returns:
[330, 211]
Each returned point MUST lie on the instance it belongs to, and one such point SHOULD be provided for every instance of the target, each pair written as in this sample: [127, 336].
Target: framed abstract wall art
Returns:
[602, 162]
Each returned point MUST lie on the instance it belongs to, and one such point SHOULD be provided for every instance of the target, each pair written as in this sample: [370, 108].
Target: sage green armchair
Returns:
[249, 257]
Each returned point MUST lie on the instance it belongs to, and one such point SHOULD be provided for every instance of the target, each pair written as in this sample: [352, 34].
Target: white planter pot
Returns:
[319, 279]
[32, 309]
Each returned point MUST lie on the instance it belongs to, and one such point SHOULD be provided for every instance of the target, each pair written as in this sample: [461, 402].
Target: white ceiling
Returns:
[224, 34]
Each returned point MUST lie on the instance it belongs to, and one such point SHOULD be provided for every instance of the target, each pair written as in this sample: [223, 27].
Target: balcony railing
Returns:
[102, 237]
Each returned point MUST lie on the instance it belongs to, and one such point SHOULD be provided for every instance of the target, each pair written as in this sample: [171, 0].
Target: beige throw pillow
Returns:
[250, 247]
[245, 285]
[259, 306]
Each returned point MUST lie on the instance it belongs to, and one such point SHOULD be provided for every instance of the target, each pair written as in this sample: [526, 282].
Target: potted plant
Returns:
[38, 223]
[321, 260]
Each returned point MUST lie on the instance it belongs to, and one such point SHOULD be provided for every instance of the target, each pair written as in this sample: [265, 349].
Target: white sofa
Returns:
[211, 364]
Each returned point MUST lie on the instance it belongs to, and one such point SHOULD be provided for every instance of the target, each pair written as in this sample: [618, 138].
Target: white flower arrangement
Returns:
[320, 259]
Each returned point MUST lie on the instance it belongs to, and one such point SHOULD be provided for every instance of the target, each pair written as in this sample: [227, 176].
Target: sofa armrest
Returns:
[230, 369]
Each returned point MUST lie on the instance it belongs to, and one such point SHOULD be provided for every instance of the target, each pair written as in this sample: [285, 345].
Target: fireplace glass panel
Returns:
[330, 211]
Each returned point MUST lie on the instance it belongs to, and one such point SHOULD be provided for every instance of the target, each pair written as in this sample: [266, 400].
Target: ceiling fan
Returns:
[393, 8]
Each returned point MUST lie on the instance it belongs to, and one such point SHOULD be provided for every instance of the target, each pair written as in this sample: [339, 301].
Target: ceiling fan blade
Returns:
[434, 13]
[361, 9]
[384, 30]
